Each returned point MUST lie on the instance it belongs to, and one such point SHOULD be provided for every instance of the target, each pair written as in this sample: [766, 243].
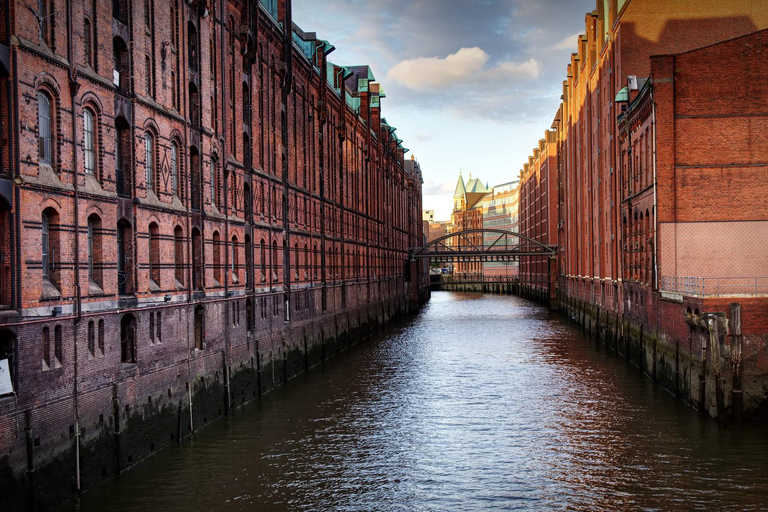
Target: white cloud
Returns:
[434, 72]
[569, 43]
[512, 70]
[465, 66]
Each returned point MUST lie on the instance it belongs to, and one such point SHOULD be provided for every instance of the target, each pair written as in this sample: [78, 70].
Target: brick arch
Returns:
[150, 125]
[153, 218]
[44, 80]
[94, 208]
[89, 98]
[50, 202]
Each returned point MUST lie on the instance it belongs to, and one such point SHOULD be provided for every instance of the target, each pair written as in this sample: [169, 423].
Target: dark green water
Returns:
[482, 402]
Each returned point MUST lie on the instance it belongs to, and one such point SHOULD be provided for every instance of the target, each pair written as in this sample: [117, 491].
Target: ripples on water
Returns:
[482, 402]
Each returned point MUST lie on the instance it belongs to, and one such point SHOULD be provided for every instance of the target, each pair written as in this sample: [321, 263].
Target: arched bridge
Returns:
[482, 245]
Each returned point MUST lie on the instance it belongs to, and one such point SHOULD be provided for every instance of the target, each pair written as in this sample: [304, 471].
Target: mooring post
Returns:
[737, 398]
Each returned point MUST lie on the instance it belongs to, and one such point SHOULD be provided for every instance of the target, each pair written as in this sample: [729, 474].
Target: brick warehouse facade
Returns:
[196, 205]
[660, 195]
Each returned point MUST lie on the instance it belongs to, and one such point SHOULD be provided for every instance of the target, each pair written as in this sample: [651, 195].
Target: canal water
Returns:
[482, 402]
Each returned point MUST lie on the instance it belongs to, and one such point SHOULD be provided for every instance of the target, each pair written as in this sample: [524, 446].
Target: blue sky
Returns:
[471, 84]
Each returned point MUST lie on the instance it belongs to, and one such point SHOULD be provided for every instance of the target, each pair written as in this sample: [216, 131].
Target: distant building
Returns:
[428, 215]
[500, 211]
[467, 214]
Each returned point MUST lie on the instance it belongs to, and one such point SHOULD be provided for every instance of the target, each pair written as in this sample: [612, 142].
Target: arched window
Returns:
[154, 257]
[50, 248]
[44, 124]
[101, 338]
[197, 260]
[199, 328]
[274, 259]
[234, 263]
[91, 340]
[58, 347]
[124, 252]
[296, 260]
[149, 160]
[178, 255]
[94, 252]
[89, 140]
[248, 261]
[128, 339]
[175, 168]
[263, 260]
[46, 349]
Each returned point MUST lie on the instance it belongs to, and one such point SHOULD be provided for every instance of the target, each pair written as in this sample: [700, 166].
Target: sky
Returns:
[471, 85]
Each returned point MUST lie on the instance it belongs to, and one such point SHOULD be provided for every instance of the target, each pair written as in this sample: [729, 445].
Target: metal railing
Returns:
[715, 286]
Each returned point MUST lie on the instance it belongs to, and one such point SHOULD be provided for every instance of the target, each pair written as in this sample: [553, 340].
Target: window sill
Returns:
[94, 289]
[50, 292]
[153, 286]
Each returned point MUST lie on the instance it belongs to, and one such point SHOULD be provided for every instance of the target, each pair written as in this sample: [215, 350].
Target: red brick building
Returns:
[539, 212]
[660, 210]
[196, 205]
[467, 214]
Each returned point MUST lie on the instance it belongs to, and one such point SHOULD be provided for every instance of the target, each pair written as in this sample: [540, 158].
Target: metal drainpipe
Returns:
[224, 160]
[655, 210]
[74, 87]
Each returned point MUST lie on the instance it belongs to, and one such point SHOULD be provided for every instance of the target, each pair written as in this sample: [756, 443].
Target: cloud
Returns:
[434, 72]
[569, 43]
[468, 65]
[431, 188]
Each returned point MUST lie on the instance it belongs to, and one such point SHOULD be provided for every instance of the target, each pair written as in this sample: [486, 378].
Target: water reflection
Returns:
[480, 403]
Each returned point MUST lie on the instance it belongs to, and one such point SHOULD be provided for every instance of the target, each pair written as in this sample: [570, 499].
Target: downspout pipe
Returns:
[655, 209]
[74, 88]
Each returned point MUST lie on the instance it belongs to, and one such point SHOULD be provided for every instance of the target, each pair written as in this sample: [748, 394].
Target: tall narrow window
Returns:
[175, 168]
[214, 182]
[44, 128]
[234, 263]
[46, 246]
[88, 42]
[263, 260]
[101, 338]
[46, 349]
[178, 255]
[197, 182]
[217, 256]
[91, 340]
[89, 141]
[94, 250]
[122, 158]
[45, 13]
[149, 159]
[148, 76]
[154, 256]
[58, 347]
[174, 95]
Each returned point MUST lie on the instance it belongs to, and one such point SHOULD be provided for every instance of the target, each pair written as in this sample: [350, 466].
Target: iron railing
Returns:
[715, 286]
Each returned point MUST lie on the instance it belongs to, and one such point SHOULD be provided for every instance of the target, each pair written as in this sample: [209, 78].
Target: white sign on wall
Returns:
[6, 386]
